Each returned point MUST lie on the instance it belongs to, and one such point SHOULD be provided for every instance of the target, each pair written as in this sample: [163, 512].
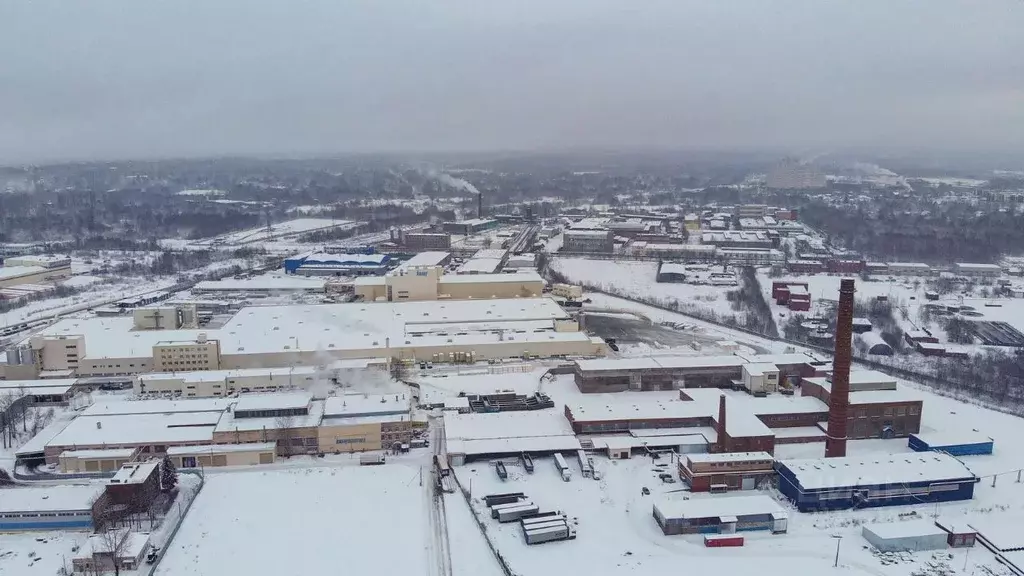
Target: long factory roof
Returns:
[359, 326]
[882, 469]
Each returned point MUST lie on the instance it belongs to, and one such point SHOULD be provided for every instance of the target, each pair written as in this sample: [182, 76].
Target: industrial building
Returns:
[47, 508]
[471, 226]
[417, 241]
[323, 264]
[909, 536]
[17, 275]
[261, 286]
[723, 471]
[952, 443]
[430, 283]
[281, 336]
[205, 383]
[672, 372]
[688, 252]
[471, 437]
[876, 407]
[738, 239]
[972, 270]
[838, 483]
[720, 515]
[486, 261]
[588, 241]
[908, 269]
[97, 557]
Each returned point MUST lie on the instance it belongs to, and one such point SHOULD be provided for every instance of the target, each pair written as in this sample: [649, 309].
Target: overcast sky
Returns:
[157, 78]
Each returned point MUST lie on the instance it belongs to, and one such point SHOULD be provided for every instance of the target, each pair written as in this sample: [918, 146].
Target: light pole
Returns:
[839, 539]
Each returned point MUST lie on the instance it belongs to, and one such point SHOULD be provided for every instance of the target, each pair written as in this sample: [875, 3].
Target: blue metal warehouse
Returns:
[47, 508]
[330, 264]
[883, 480]
[955, 443]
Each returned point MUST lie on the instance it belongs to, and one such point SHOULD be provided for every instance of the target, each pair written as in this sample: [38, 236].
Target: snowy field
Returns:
[38, 553]
[640, 280]
[312, 521]
[285, 229]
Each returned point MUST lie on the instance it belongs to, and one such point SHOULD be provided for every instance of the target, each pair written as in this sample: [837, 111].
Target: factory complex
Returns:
[164, 340]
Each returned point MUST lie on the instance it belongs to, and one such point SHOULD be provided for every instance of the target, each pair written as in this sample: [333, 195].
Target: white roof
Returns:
[364, 326]
[759, 368]
[730, 457]
[870, 377]
[665, 362]
[495, 253]
[505, 425]
[908, 529]
[918, 467]
[346, 259]
[791, 358]
[262, 283]
[885, 396]
[62, 384]
[718, 506]
[975, 266]
[219, 449]
[477, 265]
[229, 423]
[133, 548]
[586, 233]
[8, 272]
[40, 441]
[950, 438]
[156, 406]
[426, 259]
[49, 499]
[520, 276]
[276, 401]
[135, 472]
[919, 265]
[153, 428]
[113, 453]
[513, 445]
[456, 403]
[357, 404]
[224, 375]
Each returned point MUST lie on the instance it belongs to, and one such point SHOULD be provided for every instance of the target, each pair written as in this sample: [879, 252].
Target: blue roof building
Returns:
[322, 264]
[884, 480]
[954, 443]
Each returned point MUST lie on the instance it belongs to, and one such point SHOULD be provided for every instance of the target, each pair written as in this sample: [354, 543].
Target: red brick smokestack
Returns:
[723, 436]
[839, 398]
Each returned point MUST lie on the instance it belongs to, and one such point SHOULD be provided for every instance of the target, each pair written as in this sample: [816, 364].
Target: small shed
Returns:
[861, 325]
[913, 535]
[954, 443]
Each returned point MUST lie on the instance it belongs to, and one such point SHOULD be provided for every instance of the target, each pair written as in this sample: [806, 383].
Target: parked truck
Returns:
[371, 459]
[517, 512]
[563, 468]
[499, 467]
[527, 463]
[548, 534]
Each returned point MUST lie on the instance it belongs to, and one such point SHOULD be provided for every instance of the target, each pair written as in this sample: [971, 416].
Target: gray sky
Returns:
[156, 78]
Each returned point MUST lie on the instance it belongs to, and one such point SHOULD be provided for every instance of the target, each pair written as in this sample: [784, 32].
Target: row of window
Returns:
[6, 515]
[350, 440]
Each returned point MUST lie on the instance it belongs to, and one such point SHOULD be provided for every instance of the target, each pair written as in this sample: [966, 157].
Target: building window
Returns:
[913, 410]
[901, 410]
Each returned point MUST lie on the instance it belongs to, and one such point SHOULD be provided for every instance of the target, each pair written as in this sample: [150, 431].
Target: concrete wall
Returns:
[467, 290]
[341, 437]
[245, 383]
[186, 356]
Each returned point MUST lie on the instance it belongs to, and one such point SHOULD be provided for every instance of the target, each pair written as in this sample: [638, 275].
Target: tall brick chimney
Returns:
[723, 436]
[839, 398]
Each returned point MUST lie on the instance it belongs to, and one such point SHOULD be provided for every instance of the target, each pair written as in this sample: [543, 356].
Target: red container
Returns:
[722, 540]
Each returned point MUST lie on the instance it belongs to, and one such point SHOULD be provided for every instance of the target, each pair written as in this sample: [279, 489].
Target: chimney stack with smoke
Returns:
[480, 205]
[839, 399]
[723, 436]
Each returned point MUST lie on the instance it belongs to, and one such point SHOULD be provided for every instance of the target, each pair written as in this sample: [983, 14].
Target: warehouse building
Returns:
[223, 455]
[324, 264]
[972, 270]
[281, 336]
[486, 261]
[952, 443]
[427, 259]
[11, 275]
[588, 241]
[262, 285]
[207, 383]
[471, 226]
[470, 437]
[47, 508]
[720, 515]
[55, 392]
[840, 483]
[909, 536]
[431, 283]
[725, 471]
[737, 239]
[417, 241]
[908, 269]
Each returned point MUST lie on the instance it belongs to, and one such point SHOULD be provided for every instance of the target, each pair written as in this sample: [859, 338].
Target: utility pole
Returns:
[839, 540]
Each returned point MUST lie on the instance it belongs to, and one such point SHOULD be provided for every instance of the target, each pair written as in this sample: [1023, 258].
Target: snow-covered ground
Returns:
[38, 553]
[94, 296]
[312, 521]
[280, 230]
[639, 279]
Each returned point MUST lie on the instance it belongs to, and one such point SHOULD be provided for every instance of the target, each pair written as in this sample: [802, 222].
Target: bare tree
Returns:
[114, 542]
[285, 434]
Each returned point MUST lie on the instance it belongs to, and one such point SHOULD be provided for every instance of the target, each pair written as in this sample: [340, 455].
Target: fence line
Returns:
[483, 529]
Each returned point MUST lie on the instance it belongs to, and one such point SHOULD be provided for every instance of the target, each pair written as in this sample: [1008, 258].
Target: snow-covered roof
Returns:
[908, 529]
[224, 375]
[784, 359]
[882, 469]
[262, 283]
[572, 233]
[950, 438]
[979, 267]
[759, 368]
[515, 444]
[456, 403]
[230, 423]
[135, 472]
[346, 259]
[717, 506]
[38, 443]
[505, 424]
[60, 384]
[521, 276]
[909, 265]
[730, 457]
[9, 272]
[275, 401]
[357, 404]
[112, 453]
[364, 326]
[49, 498]
[426, 259]
[656, 362]
[157, 406]
[134, 546]
[151, 428]
[490, 253]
